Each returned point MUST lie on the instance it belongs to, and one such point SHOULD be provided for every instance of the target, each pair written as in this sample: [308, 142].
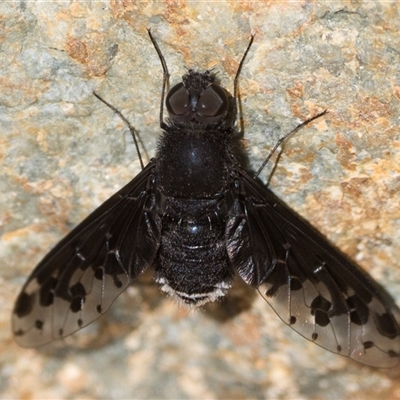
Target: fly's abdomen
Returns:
[192, 264]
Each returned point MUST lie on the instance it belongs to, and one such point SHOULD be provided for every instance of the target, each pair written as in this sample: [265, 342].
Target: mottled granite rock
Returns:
[62, 153]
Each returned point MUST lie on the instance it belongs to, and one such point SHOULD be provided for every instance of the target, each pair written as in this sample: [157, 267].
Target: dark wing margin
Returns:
[312, 287]
[85, 272]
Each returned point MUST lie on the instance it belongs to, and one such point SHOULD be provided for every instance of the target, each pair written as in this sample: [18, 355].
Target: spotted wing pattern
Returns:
[312, 287]
[83, 275]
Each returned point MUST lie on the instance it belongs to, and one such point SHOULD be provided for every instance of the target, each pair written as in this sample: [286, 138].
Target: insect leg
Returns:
[236, 96]
[283, 138]
[165, 76]
[131, 128]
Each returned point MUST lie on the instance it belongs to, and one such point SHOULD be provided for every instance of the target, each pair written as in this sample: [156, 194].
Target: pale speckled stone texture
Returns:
[62, 153]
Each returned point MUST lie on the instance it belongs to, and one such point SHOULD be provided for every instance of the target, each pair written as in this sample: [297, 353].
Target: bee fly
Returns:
[197, 217]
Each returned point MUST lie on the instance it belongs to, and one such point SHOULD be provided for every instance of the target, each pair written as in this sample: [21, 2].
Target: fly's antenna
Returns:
[165, 76]
[236, 80]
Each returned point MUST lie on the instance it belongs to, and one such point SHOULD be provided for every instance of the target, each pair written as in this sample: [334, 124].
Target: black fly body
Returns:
[198, 218]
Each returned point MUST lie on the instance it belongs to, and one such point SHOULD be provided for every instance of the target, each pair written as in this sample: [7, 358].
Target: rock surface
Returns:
[62, 153]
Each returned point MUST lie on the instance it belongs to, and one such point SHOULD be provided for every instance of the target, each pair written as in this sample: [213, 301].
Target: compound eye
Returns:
[213, 101]
[178, 100]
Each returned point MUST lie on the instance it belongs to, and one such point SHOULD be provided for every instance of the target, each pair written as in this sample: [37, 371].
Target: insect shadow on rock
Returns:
[198, 218]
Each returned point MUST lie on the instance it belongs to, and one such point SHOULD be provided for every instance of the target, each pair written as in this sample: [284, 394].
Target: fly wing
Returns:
[83, 274]
[312, 287]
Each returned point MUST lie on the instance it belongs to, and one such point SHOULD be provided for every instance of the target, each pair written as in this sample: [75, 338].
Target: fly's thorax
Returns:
[193, 163]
